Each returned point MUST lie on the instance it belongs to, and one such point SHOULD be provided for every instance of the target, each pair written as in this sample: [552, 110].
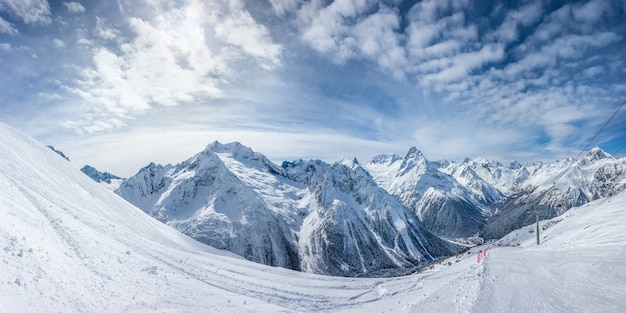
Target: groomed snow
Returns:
[70, 245]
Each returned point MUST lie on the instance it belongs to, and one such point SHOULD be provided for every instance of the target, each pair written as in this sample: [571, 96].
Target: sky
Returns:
[119, 84]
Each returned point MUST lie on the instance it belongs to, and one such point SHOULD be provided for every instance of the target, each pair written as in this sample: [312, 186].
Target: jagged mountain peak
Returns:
[236, 151]
[515, 165]
[414, 160]
[597, 154]
[414, 153]
[233, 147]
[350, 162]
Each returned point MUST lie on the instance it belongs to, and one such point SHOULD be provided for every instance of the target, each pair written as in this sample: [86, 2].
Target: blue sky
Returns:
[118, 84]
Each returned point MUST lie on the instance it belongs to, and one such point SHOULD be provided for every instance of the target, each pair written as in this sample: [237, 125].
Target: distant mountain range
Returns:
[311, 216]
[382, 217]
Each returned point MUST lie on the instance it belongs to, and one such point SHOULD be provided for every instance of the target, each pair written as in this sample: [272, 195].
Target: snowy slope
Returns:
[310, 216]
[580, 265]
[70, 245]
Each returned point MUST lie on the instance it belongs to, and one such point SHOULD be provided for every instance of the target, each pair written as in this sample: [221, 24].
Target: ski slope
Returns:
[68, 244]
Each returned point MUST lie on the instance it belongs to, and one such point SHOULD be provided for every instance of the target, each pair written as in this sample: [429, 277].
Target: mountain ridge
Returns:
[233, 198]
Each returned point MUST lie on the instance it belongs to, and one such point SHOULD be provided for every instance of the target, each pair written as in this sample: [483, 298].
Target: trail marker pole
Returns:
[537, 215]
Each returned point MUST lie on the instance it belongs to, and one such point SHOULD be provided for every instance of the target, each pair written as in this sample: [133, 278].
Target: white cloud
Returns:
[590, 12]
[238, 28]
[74, 7]
[176, 55]
[30, 11]
[331, 29]
[103, 31]
[525, 16]
[7, 28]
[5, 46]
[594, 70]
[565, 47]
[460, 66]
[58, 43]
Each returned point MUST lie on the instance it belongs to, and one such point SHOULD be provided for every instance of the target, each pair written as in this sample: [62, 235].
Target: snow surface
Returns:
[70, 245]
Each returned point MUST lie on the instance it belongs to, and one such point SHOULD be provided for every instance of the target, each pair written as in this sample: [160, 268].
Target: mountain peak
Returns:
[597, 154]
[515, 165]
[235, 146]
[351, 163]
[413, 159]
[414, 153]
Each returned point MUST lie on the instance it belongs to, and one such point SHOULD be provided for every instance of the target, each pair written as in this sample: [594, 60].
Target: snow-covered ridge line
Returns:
[321, 218]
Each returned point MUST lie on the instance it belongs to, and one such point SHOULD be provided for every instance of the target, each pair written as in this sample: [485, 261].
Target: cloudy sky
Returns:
[118, 84]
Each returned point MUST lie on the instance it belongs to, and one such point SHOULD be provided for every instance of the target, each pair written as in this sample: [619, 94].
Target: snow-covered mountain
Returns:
[445, 206]
[355, 227]
[107, 179]
[70, 245]
[507, 196]
[552, 188]
[310, 216]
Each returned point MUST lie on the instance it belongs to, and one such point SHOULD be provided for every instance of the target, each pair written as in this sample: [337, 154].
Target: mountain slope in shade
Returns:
[307, 216]
[444, 206]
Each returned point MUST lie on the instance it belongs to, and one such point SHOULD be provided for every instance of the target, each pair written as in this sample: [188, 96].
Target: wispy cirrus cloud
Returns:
[74, 7]
[30, 12]
[7, 28]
